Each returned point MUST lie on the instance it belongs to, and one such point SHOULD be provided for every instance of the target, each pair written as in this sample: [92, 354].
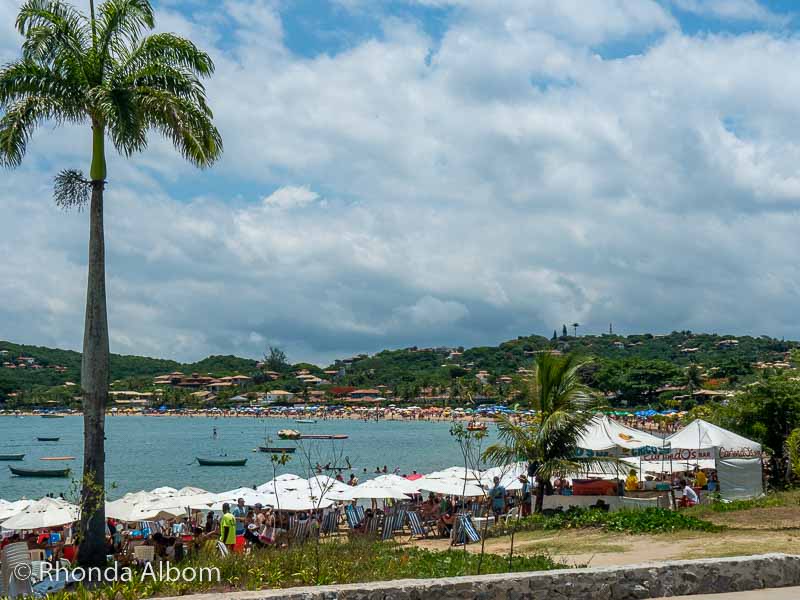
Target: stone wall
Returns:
[618, 583]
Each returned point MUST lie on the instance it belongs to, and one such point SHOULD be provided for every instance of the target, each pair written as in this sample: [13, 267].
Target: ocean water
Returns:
[148, 452]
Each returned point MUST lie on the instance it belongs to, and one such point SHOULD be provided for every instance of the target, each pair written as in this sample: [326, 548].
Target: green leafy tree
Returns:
[101, 70]
[275, 360]
[767, 412]
[564, 409]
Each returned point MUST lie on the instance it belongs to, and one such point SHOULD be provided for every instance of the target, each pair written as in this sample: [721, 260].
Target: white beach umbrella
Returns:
[47, 512]
[326, 484]
[9, 509]
[450, 486]
[251, 498]
[279, 485]
[295, 502]
[365, 492]
[456, 473]
[190, 491]
[408, 486]
[130, 513]
[164, 491]
[140, 497]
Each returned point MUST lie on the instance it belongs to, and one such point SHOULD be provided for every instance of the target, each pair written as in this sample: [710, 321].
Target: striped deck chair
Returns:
[399, 519]
[417, 528]
[388, 527]
[372, 525]
[351, 516]
[464, 530]
[330, 521]
[299, 533]
[359, 512]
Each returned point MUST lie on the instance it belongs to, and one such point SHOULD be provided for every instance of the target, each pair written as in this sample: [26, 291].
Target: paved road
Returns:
[792, 593]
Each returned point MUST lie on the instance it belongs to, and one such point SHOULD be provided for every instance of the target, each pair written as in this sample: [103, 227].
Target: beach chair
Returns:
[351, 516]
[387, 531]
[416, 525]
[372, 525]
[12, 586]
[464, 530]
[36, 554]
[399, 519]
[330, 521]
[144, 553]
[223, 549]
[300, 532]
[512, 514]
[359, 512]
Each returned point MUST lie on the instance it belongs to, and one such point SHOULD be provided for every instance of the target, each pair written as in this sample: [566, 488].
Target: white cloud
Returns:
[291, 197]
[734, 10]
[501, 180]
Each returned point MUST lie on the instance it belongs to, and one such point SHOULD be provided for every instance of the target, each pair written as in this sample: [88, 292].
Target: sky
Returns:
[436, 173]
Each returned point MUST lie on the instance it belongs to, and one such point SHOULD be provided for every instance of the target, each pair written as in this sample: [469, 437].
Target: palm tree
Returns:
[101, 70]
[564, 409]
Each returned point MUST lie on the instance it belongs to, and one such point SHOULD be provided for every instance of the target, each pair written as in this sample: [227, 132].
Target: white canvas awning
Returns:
[700, 434]
[605, 434]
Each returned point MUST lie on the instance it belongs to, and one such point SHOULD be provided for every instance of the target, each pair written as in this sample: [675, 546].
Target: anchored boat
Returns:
[39, 472]
[12, 456]
[222, 462]
[48, 439]
[276, 449]
[307, 421]
[476, 426]
[52, 416]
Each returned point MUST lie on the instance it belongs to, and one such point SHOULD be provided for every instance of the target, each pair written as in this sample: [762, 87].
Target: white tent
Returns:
[666, 465]
[604, 434]
[47, 512]
[700, 435]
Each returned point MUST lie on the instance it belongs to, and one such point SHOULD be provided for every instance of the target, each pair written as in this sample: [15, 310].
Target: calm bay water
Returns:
[148, 452]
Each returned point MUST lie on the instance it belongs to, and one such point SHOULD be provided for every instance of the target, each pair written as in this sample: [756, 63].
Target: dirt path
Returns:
[599, 549]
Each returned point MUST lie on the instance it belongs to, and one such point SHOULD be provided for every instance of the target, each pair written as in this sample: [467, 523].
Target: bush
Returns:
[339, 562]
[649, 520]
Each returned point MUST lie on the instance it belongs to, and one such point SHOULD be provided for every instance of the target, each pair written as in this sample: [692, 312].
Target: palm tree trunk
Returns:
[539, 498]
[94, 382]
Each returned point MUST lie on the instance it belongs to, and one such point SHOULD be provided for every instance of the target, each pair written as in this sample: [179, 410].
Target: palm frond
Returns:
[121, 23]
[165, 49]
[188, 125]
[26, 78]
[52, 27]
[19, 122]
[71, 189]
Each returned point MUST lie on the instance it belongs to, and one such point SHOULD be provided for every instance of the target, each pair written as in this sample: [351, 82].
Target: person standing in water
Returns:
[214, 433]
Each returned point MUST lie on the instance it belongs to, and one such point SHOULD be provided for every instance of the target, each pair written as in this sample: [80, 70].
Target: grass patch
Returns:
[772, 500]
[339, 562]
[650, 520]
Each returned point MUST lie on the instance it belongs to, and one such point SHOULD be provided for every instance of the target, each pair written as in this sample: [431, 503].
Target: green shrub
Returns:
[339, 562]
[649, 520]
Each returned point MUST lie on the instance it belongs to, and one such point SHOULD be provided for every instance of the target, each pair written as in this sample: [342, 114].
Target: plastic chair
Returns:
[144, 553]
[37, 554]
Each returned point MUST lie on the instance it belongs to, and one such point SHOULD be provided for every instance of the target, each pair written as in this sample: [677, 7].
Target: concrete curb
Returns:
[651, 580]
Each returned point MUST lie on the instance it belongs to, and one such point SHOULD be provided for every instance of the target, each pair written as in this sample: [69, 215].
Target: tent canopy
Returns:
[700, 435]
[605, 434]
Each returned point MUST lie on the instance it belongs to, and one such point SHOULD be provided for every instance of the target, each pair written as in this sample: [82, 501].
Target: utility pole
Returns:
[610, 330]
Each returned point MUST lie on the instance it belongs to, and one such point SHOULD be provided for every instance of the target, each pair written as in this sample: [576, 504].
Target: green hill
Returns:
[631, 367]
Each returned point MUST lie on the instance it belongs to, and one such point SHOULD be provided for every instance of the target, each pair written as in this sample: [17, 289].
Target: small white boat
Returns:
[307, 421]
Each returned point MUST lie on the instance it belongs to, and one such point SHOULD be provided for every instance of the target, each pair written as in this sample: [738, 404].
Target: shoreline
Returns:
[391, 416]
